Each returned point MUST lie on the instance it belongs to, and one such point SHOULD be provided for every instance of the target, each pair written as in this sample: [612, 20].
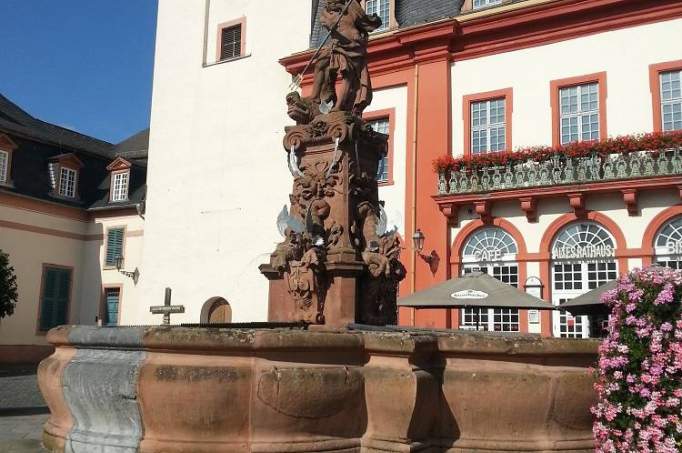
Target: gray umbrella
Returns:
[476, 289]
[589, 303]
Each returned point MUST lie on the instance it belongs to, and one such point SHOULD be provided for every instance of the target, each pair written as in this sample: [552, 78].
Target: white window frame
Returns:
[499, 249]
[582, 117]
[381, 8]
[484, 127]
[590, 273]
[671, 100]
[120, 193]
[4, 166]
[478, 4]
[382, 125]
[68, 186]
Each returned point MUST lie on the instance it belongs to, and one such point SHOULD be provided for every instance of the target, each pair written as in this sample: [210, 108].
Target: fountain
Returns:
[326, 374]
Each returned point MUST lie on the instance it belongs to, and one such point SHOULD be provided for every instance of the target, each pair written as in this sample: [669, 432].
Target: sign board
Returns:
[533, 316]
[674, 247]
[583, 252]
[488, 255]
[469, 294]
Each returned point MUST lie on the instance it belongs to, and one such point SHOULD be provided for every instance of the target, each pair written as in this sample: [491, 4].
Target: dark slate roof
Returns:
[407, 13]
[38, 142]
[15, 120]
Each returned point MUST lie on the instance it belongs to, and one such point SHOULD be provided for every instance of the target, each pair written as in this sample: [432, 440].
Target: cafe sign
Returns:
[488, 255]
[583, 252]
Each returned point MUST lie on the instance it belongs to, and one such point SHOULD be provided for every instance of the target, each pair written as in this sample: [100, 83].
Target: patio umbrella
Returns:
[474, 290]
[590, 303]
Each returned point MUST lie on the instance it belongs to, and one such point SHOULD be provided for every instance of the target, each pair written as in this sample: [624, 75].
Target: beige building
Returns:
[70, 205]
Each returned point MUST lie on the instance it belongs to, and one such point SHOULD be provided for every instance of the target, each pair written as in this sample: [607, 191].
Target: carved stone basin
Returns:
[171, 389]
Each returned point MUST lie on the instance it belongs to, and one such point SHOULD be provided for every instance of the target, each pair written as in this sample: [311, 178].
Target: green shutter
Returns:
[111, 298]
[55, 297]
[114, 245]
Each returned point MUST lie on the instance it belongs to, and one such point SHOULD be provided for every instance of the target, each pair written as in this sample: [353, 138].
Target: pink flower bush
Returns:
[639, 376]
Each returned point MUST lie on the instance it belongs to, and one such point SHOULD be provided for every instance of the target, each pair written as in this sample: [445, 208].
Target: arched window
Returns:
[582, 260]
[216, 310]
[668, 244]
[491, 250]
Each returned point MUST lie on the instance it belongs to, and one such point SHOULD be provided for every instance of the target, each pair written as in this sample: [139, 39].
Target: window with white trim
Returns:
[488, 128]
[381, 8]
[4, 166]
[582, 260]
[668, 244]
[67, 182]
[483, 3]
[119, 186]
[579, 107]
[671, 100]
[381, 126]
[493, 251]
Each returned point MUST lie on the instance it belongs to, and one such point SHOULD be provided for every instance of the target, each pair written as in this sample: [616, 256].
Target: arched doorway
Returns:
[216, 310]
[668, 244]
[491, 250]
[583, 258]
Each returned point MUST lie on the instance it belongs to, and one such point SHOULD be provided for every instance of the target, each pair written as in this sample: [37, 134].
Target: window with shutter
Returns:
[111, 301]
[4, 164]
[231, 42]
[54, 303]
[114, 246]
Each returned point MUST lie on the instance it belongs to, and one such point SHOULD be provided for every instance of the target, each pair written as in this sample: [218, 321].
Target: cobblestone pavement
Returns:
[22, 411]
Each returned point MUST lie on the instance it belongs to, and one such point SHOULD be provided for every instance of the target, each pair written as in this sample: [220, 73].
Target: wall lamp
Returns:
[432, 259]
[135, 275]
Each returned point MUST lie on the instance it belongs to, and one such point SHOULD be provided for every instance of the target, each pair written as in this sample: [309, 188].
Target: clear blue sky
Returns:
[82, 64]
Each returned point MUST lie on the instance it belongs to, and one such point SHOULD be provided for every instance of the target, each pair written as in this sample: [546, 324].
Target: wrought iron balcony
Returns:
[561, 170]
[558, 175]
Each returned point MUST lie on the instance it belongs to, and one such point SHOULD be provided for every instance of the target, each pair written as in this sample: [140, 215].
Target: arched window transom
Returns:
[584, 240]
[668, 244]
[490, 245]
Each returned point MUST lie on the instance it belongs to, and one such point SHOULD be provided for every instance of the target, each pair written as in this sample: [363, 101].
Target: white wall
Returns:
[624, 54]
[394, 194]
[217, 175]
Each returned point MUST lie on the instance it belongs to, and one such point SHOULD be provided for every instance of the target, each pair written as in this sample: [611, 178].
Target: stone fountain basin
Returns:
[173, 389]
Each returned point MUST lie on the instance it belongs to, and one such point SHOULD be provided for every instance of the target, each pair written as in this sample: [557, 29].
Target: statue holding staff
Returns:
[344, 54]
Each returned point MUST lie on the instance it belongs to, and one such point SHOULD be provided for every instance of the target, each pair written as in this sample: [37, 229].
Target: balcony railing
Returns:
[561, 169]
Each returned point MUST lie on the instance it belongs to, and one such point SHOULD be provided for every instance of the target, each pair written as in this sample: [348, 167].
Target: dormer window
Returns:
[7, 146]
[120, 180]
[63, 172]
[67, 182]
[119, 186]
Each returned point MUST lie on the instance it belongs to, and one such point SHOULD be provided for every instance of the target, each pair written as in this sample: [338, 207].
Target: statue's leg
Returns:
[320, 75]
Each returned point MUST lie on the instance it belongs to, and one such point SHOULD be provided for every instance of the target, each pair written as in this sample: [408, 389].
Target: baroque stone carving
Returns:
[338, 255]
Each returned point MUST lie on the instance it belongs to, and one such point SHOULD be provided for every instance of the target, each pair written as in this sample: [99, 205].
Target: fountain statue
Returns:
[317, 377]
[338, 263]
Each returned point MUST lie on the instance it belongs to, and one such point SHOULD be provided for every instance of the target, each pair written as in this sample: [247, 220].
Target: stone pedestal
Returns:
[335, 242]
